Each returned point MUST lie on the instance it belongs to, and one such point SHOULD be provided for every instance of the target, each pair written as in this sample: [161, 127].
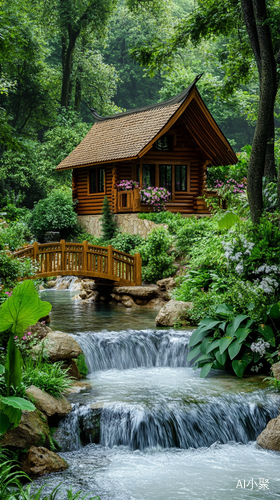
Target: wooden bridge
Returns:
[104, 264]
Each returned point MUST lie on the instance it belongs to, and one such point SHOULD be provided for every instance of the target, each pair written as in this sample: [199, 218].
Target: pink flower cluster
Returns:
[155, 196]
[232, 185]
[125, 185]
[8, 293]
[24, 338]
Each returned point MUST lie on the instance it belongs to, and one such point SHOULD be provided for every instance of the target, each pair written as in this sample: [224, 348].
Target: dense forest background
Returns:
[60, 58]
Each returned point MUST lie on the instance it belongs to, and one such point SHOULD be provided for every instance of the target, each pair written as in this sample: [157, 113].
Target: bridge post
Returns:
[110, 259]
[85, 251]
[137, 269]
[62, 248]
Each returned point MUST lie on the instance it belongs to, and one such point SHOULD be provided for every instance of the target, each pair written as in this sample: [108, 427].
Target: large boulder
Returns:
[48, 404]
[40, 461]
[59, 346]
[145, 292]
[128, 301]
[276, 370]
[88, 285]
[172, 311]
[166, 284]
[41, 329]
[270, 437]
[31, 431]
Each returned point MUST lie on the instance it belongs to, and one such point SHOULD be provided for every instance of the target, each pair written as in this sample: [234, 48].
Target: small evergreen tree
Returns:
[108, 223]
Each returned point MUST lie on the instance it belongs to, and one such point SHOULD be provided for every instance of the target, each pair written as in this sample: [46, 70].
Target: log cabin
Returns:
[169, 144]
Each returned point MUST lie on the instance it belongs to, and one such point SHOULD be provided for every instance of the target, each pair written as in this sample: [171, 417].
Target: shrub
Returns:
[108, 223]
[12, 269]
[156, 263]
[54, 213]
[126, 242]
[49, 377]
[15, 235]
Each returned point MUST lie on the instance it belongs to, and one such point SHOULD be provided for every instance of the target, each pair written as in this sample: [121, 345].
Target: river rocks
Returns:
[157, 303]
[78, 387]
[72, 369]
[50, 284]
[59, 346]
[145, 292]
[31, 431]
[276, 370]
[47, 404]
[88, 285]
[172, 311]
[270, 437]
[41, 329]
[166, 284]
[39, 461]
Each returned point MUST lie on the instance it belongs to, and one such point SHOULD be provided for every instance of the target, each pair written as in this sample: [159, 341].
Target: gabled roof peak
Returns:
[178, 99]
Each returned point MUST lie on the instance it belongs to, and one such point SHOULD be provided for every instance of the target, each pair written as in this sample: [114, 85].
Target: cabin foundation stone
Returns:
[129, 223]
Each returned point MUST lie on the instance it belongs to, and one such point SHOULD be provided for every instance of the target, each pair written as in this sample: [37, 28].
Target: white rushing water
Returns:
[149, 428]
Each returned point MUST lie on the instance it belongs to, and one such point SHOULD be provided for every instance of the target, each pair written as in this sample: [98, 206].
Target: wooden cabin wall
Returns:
[91, 203]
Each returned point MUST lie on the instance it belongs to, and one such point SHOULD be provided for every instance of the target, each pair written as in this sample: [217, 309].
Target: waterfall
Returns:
[131, 349]
[69, 281]
[239, 418]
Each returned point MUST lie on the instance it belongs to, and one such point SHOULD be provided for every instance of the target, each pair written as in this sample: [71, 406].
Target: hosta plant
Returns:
[228, 341]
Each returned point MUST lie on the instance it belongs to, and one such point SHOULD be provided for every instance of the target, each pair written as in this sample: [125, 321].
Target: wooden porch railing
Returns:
[85, 260]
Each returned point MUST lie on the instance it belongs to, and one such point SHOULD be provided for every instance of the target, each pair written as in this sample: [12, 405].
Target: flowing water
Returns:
[148, 427]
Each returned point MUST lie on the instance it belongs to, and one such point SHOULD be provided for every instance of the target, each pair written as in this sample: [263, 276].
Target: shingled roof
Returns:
[126, 135]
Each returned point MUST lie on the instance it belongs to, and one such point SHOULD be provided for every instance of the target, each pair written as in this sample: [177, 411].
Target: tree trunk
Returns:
[78, 94]
[67, 55]
[267, 73]
[270, 167]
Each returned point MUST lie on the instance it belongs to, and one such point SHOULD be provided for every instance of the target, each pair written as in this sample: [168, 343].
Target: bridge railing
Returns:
[83, 259]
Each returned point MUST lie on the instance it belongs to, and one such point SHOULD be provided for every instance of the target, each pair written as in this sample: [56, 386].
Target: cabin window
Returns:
[165, 177]
[164, 143]
[96, 180]
[181, 183]
[148, 175]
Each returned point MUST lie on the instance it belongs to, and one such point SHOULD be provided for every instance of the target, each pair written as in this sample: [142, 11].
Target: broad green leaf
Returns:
[193, 353]
[207, 322]
[212, 346]
[204, 357]
[205, 370]
[2, 369]
[198, 335]
[234, 349]
[13, 365]
[223, 309]
[217, 366]
[204, 344]
[267, 333]
[242, 334]
[224, 343]
[222, 326]
[4, 423]
[238, 320]
[228, 220]
[274, 312]
[18, 403]
[22, 309]
[240, 365]
[221, 358]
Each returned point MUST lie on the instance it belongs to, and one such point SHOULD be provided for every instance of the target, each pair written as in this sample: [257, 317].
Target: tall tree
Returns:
[251, 27]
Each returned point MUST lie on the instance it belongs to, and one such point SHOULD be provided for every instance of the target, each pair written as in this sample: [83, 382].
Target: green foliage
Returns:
[225, 341]
[82, 365]
[49, 377]
[126, 242]
[54, 213]
[108, 223]
[15, 235]
[22, 308]
[228, 220]
[156, 262]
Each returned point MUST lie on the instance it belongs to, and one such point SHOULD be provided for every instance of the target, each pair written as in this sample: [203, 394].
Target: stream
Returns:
[163, 433]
